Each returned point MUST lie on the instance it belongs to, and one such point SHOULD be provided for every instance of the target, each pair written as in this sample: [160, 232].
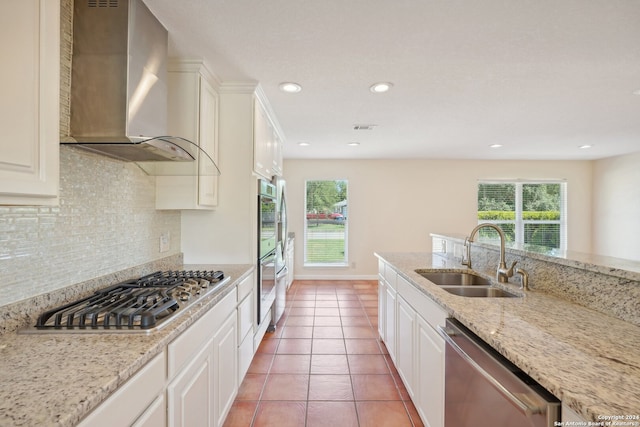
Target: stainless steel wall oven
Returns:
[267, 240]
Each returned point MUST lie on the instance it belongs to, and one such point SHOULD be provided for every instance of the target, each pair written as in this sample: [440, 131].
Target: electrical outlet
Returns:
[165, 241]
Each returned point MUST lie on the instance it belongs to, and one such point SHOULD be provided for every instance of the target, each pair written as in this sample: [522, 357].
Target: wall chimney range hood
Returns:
[119, 89]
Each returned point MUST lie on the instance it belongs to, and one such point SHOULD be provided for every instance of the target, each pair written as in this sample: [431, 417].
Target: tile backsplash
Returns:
[106, 221]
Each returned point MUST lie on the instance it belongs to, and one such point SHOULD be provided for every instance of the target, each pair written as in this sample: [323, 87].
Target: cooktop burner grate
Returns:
[135, 305]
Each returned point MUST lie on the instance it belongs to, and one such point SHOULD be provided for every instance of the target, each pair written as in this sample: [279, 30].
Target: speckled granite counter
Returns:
[587, 359]
[56, 379]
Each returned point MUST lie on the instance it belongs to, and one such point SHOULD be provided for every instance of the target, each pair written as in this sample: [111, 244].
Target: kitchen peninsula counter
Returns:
[587, 359]
[51, 379]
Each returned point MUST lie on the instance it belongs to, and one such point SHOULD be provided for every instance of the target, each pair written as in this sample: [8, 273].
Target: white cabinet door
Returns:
[405, 343]
[267, 144]
[262, 162]
[276, 156]
[382, 304]
[202, 367]
[225, 359]
[193, 114]
[429, 385]
[207, 179]
[190, 399]
[390, 322]
[245, 335]
[30, 102]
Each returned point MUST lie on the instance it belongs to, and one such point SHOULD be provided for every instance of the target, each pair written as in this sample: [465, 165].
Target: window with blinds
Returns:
[325, 231]
[529, 212]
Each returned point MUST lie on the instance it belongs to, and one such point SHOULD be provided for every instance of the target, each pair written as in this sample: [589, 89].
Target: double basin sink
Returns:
[465, 284]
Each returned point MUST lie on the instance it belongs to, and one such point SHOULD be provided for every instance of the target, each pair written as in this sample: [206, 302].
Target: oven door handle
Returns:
[283, 272]
[528, 408]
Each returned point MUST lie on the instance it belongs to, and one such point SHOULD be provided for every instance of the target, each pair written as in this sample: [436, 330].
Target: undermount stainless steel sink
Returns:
[479, 292]
[465, 284]
[450, 278]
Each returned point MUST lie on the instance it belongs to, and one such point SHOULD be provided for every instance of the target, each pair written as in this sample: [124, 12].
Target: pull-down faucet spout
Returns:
[503, 273]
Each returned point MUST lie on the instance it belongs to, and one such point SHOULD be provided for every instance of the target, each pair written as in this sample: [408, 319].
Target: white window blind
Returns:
[325, 236]
[529, 212]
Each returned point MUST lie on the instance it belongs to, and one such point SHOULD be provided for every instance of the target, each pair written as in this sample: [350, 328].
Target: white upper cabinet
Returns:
[267, 150]
[30, 102]
[193, 114]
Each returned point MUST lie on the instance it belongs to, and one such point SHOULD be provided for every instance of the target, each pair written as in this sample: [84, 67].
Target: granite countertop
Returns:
[589, 360]
[57, 379]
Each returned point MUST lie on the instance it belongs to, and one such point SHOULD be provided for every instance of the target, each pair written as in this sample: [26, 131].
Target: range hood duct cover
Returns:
[119, 89]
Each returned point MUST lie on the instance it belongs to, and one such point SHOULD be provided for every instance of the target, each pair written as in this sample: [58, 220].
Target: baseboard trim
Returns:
[336, 277]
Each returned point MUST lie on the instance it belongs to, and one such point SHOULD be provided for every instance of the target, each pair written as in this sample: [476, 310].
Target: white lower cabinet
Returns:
[190, 394]
[405, 343]
[245, 335]
[195, 381]
[408, 328]
[203, 368]
[382, 303]
[390, 321]
[246, 314]
[429, 387]
[225, 371]
[136, 401]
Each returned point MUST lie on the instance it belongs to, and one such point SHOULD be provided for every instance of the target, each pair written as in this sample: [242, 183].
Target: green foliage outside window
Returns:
[325, 231]
[537, 220]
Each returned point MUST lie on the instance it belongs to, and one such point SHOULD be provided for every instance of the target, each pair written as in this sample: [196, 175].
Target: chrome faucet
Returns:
[503, 273]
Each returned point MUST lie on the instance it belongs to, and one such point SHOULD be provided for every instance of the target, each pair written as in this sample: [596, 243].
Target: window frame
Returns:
[519, 222]
[315, 264]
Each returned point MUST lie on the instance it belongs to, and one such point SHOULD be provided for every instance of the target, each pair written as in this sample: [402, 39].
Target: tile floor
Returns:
[324, 365]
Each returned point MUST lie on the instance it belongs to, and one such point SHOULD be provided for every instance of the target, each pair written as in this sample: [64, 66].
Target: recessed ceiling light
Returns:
[380, 87]
[353, 144]
[636, 92]
[290, 87]
[585, 146]
[303, 144]
[495, 145]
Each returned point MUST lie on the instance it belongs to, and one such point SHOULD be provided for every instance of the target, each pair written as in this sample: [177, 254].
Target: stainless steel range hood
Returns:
[119, 89]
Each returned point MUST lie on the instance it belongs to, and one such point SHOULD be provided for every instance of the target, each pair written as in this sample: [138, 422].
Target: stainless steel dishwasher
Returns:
[482, 388]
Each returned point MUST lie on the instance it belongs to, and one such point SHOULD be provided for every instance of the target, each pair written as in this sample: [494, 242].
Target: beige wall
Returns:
[616, 212]
[395, 204]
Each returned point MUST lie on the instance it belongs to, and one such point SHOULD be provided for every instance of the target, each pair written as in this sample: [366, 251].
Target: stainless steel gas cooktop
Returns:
[136, 306]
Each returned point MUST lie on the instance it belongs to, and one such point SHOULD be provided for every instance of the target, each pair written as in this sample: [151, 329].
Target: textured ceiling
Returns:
[540, 77]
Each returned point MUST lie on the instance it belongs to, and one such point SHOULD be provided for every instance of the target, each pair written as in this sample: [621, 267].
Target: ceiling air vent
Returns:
[363, 127]
[102, 3]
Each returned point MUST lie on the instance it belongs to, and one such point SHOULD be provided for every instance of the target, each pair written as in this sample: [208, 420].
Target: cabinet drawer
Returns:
[132, 399]
[184, 348]
[390, 276]
[246, 286]
[422, 304]
[245, 317]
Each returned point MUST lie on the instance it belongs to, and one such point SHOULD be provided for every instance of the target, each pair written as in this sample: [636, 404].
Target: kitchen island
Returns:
[58, 378]
[587, 359]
